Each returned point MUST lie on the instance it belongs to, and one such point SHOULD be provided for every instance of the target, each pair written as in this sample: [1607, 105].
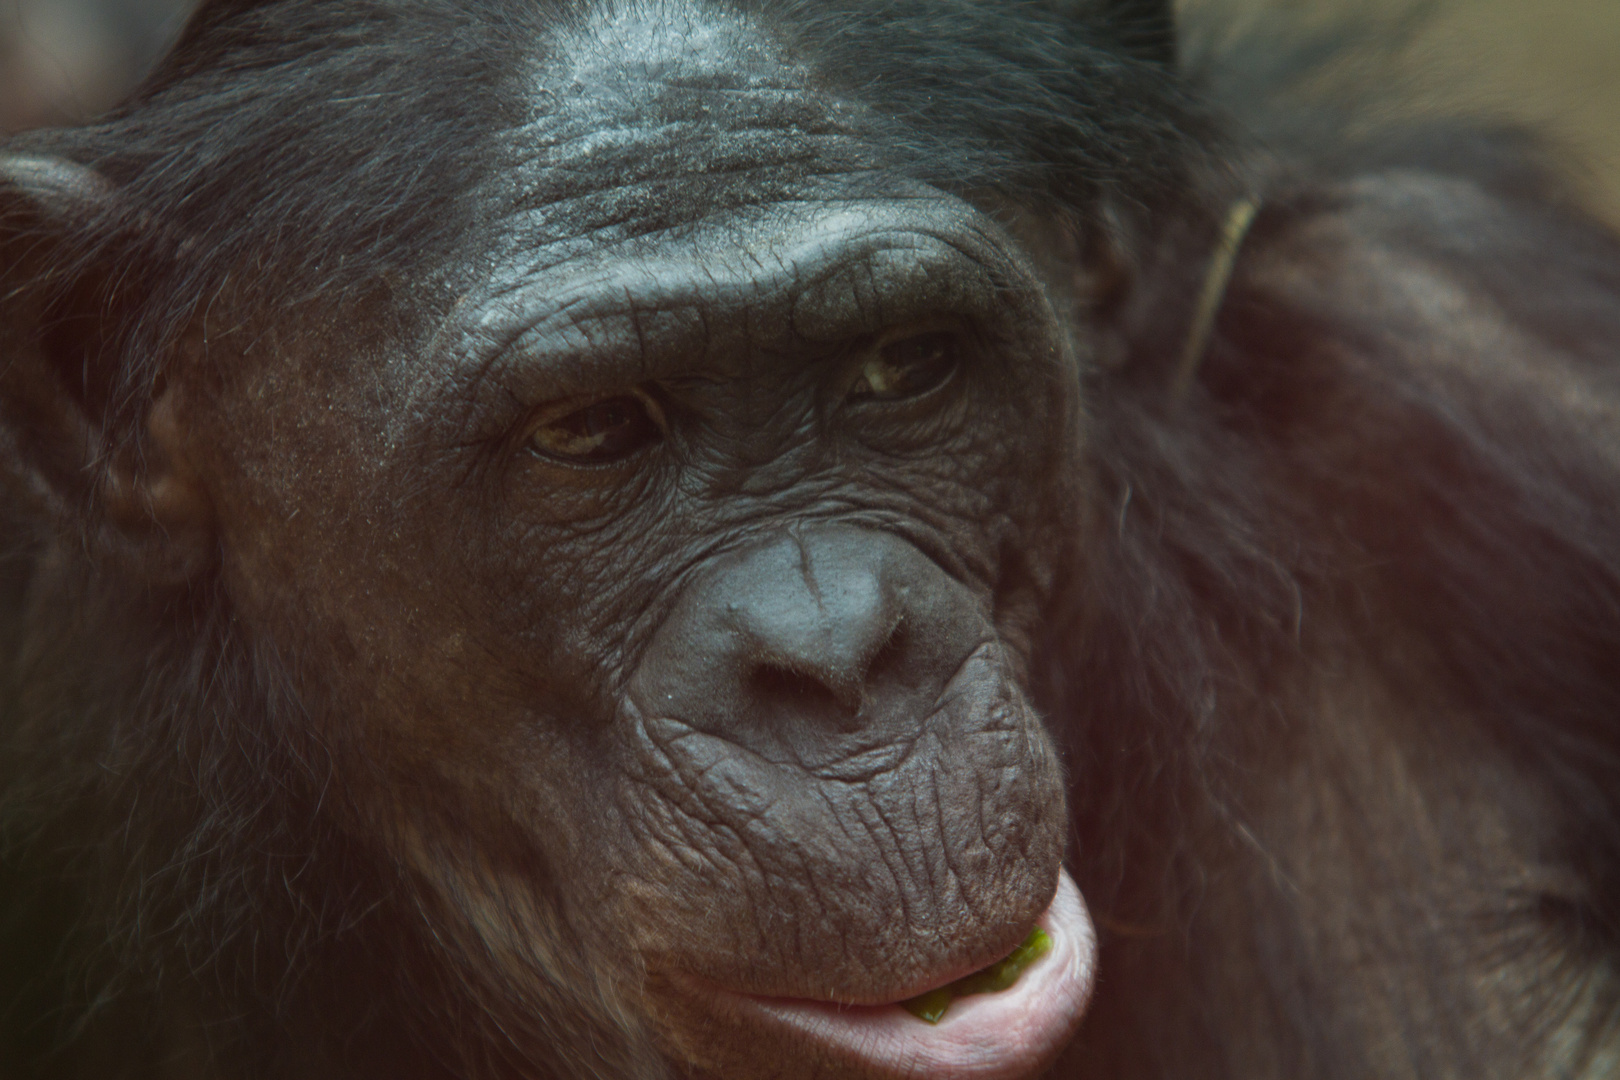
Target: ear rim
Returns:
[37, 193]
[133, 491]
[55, 183]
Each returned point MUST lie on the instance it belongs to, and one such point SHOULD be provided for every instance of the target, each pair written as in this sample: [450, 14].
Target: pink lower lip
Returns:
[1001, 1036]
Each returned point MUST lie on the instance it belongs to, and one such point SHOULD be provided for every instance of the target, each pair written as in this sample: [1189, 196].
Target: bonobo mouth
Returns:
[1003, 1035]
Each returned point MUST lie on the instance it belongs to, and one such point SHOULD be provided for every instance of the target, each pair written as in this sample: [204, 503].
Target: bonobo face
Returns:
[681, 577]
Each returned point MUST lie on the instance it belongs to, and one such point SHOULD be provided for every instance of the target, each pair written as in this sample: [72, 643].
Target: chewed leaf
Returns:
[933, 1005]
[930, 1006]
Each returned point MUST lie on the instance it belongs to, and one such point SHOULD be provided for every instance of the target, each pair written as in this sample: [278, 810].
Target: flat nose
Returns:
[834, 630]
[811, 618]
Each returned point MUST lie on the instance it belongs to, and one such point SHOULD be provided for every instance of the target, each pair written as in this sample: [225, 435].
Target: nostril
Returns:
[782, 689]
[836, 691]
[888, 663]
[796, 646]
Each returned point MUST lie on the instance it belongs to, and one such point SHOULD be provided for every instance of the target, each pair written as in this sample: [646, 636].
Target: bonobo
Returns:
[651, 538]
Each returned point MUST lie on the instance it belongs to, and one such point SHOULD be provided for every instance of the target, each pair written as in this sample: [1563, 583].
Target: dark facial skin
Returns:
[700, 567]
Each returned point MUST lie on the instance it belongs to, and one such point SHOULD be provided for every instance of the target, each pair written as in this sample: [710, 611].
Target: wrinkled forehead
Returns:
[683, 187]
[647, 116]
[612, 44]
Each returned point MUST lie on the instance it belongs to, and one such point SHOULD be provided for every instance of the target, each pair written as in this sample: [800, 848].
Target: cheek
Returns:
[318, 546]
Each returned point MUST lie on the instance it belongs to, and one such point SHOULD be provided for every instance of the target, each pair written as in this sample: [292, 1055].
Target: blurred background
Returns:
[63, 60]
[1552, 63]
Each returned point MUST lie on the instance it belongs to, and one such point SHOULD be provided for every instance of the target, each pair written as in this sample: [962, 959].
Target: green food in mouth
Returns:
[998, 976]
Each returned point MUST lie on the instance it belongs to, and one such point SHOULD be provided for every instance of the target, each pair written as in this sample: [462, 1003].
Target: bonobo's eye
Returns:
[907, 366]
[599, 432]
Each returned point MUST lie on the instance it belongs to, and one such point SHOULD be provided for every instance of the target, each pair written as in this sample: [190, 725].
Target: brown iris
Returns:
[601, 432]
[907, 367]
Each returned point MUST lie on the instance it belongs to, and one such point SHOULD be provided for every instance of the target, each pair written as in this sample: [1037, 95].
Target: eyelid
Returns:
[561, 408]
[902, 331]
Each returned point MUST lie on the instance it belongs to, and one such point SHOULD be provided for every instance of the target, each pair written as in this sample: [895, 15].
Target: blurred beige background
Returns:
[1552, 63]
[62, 60]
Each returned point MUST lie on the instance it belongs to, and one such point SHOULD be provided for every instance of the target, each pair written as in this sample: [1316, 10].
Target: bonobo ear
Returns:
[65, 238]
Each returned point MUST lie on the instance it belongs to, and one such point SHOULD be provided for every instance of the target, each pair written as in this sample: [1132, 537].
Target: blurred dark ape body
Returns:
[571, 539]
